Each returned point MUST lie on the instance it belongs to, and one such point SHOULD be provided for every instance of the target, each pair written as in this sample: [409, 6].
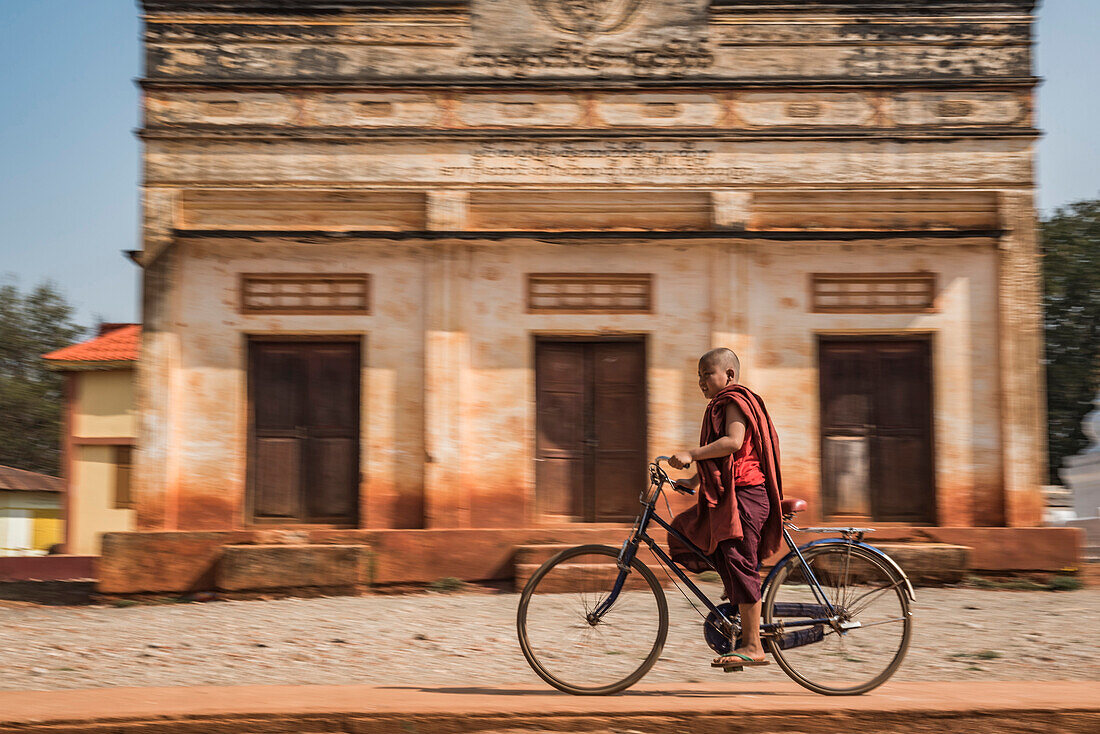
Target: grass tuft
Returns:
[1066, 583]
[447, 585]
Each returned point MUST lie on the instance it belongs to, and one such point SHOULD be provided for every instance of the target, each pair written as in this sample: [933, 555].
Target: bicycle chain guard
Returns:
[717, 638]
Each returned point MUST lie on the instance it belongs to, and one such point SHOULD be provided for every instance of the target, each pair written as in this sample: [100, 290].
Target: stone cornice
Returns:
[211, 132]
[628, 236]
[693, 84]
[302, 7]
[908, 8]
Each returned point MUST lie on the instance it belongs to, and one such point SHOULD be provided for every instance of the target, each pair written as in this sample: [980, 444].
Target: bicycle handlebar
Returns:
[665, 477]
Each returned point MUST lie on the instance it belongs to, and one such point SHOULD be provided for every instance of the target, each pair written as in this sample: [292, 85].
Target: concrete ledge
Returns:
[251, 567]
[929, 564]
[150, 562]
[47, 568]
[143, 562]
[701, 708]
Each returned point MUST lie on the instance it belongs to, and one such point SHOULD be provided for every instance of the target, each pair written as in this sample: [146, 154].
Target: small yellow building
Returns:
[30, 512]
[98, 431]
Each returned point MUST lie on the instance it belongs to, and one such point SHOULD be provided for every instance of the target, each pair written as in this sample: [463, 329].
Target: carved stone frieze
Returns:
[912, 111]
[955, 108]
[839, 109]
[588, 38]
[451, 163]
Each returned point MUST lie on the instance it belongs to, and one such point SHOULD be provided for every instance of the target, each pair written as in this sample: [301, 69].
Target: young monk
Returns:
[737, 519]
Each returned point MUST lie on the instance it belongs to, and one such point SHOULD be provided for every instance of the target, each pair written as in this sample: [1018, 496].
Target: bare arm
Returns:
[724, 446]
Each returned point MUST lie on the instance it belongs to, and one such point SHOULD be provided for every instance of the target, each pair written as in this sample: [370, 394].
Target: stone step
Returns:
[288, 566]
[929, 564]
[539, 554]
[926, 564]
[571, 577]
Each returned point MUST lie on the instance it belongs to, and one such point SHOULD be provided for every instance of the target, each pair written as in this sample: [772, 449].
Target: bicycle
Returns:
[593, 619]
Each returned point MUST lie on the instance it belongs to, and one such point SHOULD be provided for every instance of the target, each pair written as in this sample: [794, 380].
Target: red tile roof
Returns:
[116, 343]
[12, 478]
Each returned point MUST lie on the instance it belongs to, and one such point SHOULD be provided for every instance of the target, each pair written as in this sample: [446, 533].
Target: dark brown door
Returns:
[876, 426]
[304, 462]
[591, 429]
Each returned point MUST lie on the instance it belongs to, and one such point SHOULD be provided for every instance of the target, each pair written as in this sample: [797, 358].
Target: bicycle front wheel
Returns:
[571, 650]
[868, 645]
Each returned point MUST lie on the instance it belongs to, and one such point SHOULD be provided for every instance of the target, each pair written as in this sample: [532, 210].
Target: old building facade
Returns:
[450, 263]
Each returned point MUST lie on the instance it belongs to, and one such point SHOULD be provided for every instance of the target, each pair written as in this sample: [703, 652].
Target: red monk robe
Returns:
[715, 516]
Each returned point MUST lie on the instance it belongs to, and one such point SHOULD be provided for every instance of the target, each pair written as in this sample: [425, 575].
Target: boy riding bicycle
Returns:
[737, 518]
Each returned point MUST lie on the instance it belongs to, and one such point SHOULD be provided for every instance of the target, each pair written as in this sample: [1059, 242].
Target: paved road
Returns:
[896, 708]
[469, 639]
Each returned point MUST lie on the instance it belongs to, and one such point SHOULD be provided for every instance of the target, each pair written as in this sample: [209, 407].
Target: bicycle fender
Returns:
[838, 541]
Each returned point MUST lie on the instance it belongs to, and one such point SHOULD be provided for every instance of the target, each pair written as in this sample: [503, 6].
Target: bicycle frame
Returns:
[640, 535]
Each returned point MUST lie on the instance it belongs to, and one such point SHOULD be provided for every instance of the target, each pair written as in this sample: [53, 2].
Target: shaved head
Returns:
[723, 359]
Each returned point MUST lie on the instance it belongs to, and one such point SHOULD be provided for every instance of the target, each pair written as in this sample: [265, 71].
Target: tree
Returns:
[1071, 321]
[30, 395]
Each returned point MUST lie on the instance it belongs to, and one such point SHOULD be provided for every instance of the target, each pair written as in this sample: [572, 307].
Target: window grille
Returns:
[873, 292]
[274, 293]
[589, 293]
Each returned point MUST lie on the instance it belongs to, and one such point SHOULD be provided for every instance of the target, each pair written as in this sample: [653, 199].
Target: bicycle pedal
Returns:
[733, 669]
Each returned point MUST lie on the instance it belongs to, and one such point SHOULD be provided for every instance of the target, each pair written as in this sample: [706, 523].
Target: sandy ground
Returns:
[433, 638]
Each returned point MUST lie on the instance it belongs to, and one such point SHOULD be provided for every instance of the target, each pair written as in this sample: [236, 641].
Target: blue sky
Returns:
[68, 107]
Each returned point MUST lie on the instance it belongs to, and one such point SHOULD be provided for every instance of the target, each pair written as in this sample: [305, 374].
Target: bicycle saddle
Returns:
[793, 505]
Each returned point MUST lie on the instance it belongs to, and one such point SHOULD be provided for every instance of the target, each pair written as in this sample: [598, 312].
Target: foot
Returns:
[740, 657]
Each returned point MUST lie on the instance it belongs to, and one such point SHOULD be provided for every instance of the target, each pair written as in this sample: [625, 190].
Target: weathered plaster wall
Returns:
[286, 128]
[210, 414]
[780, 360]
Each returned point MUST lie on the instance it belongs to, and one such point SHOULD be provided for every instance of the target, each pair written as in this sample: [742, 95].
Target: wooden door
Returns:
[591, 429]
[876, 429]
[304, 442]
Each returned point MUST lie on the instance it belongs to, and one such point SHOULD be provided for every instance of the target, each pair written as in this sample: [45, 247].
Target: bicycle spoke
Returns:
[840, 662]
[576, 656]
[865, 625]
[876, 593]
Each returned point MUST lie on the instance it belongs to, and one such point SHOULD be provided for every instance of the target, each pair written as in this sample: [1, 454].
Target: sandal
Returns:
[737, 661]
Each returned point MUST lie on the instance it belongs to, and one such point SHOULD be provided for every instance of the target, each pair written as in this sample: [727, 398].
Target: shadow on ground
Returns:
[489, 691]
[47, 593]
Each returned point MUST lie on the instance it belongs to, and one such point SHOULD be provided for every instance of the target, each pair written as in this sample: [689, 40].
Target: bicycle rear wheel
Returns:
[566, 646]
[870, 596]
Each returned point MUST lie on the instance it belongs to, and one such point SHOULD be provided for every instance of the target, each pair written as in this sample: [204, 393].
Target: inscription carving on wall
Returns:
[672, 56]
[626, 160]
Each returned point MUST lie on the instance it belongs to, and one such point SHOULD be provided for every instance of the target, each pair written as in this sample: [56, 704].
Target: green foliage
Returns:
[1070, 241]
[1066, 583]
[448, 584]
[32, 324]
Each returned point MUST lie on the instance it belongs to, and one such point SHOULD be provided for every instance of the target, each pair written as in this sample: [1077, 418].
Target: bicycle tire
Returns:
[569, 687]
[811, 554]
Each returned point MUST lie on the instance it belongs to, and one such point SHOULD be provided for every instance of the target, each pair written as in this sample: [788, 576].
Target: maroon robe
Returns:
[715, 516]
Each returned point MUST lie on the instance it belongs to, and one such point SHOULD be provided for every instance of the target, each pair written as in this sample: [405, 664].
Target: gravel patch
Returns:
[436, 639]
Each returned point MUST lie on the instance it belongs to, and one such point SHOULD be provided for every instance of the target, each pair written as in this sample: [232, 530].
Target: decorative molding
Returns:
[731, 209]
[588, 17]
[286, 208]
[589, 210]
[447, 210]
